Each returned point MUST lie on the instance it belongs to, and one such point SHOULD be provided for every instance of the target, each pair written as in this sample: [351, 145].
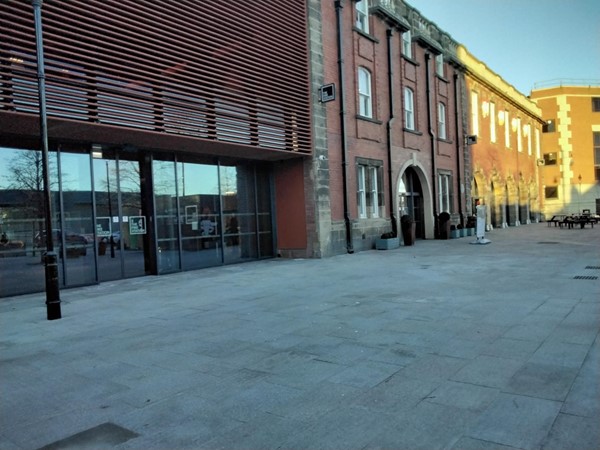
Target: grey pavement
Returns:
[444, 345]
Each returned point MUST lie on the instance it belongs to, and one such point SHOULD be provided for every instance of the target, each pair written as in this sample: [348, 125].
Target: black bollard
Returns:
[52, 291]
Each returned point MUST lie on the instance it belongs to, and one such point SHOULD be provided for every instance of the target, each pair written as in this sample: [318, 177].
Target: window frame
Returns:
[369, 188]
[374, 190]
[549, 126]
[445, 192]
[409, 113]
[407, 44]
[595, 104]
[475, 113]
[550, 158]
[552, 190]
[493, 135]
[519, 136]
[361, 192]
[362, 15]
[365, 97]
[506, 129]
[442, 131]
[439, 65]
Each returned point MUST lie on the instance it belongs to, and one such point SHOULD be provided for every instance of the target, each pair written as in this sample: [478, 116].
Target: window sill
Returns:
[447, 141]
[365, 35]
[410, 60]
[442, 78]
[368, 119]
[408, 130]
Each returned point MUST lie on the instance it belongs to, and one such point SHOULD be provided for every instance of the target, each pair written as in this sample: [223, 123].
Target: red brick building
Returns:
[392, 142]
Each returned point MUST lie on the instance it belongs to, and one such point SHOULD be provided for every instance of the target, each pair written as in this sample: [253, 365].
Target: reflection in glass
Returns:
[130, 243]
[167, 228]
[78, 226]
[239, 213]
[199, 213]
[265, 219]
[21, 220]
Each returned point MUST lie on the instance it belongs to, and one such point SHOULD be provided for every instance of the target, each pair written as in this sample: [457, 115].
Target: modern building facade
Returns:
[185, 135]
[570, 176]
[505, 127]
[391, 142]
[179, 133]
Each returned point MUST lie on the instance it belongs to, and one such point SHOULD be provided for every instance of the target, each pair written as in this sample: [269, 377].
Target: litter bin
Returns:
[444, 225]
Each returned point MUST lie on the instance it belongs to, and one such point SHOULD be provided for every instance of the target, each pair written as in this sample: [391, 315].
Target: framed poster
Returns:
[191, 214]
[137, 225]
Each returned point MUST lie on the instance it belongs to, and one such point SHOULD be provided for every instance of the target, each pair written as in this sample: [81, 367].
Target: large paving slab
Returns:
[443, 345]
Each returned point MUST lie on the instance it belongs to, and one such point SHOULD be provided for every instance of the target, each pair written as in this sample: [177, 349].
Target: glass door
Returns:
[199, 206]
[120, 223]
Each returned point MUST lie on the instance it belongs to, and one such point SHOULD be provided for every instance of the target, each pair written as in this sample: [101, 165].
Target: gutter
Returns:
[433, 138]
[390, 123]
[343, 137]
[458, 147]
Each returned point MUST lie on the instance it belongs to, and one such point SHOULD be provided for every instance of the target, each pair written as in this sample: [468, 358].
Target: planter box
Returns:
[470, 231]
[454, 234]
[463, 232]
[387, 244]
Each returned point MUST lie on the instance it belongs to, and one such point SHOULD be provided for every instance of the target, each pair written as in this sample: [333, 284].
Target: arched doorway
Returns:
[410, 199]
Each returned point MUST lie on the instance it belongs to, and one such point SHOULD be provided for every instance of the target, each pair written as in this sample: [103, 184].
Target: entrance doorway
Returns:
[410, 200]
[121, 235]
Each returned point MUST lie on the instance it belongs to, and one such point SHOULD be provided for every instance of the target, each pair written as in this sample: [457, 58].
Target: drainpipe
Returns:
[433, 137]
[390, 123]
[344, 140]
[458, 147]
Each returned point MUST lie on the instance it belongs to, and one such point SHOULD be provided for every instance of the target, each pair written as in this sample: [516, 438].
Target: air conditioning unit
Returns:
[541, 162]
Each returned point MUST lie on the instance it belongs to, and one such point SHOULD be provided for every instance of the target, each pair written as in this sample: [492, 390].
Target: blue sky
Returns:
[524, 41]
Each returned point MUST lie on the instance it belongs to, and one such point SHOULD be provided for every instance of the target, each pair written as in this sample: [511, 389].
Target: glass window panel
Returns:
[166, 216]
[76, 185]
[239, 212]
[21, 221]
[199, 213]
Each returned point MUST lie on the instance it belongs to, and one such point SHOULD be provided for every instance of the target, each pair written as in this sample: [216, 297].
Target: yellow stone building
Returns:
[570, 176]
[507, 127]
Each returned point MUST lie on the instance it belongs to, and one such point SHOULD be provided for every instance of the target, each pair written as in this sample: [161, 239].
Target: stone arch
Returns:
[534, 201]
[479, 192]
[524, 204]
[497, 214]
[428, 225]
[512, 202]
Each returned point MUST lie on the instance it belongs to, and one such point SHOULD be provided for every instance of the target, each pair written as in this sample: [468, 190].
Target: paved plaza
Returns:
[444, 345]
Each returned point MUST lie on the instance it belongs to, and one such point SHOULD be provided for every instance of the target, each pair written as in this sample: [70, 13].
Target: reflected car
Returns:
[76, 244]
[116, 236]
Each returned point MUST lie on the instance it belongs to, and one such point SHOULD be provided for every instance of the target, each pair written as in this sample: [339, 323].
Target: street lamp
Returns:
[50, 258]
[580, 202]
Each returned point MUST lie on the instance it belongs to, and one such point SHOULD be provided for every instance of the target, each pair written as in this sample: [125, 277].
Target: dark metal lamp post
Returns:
[50, 257]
